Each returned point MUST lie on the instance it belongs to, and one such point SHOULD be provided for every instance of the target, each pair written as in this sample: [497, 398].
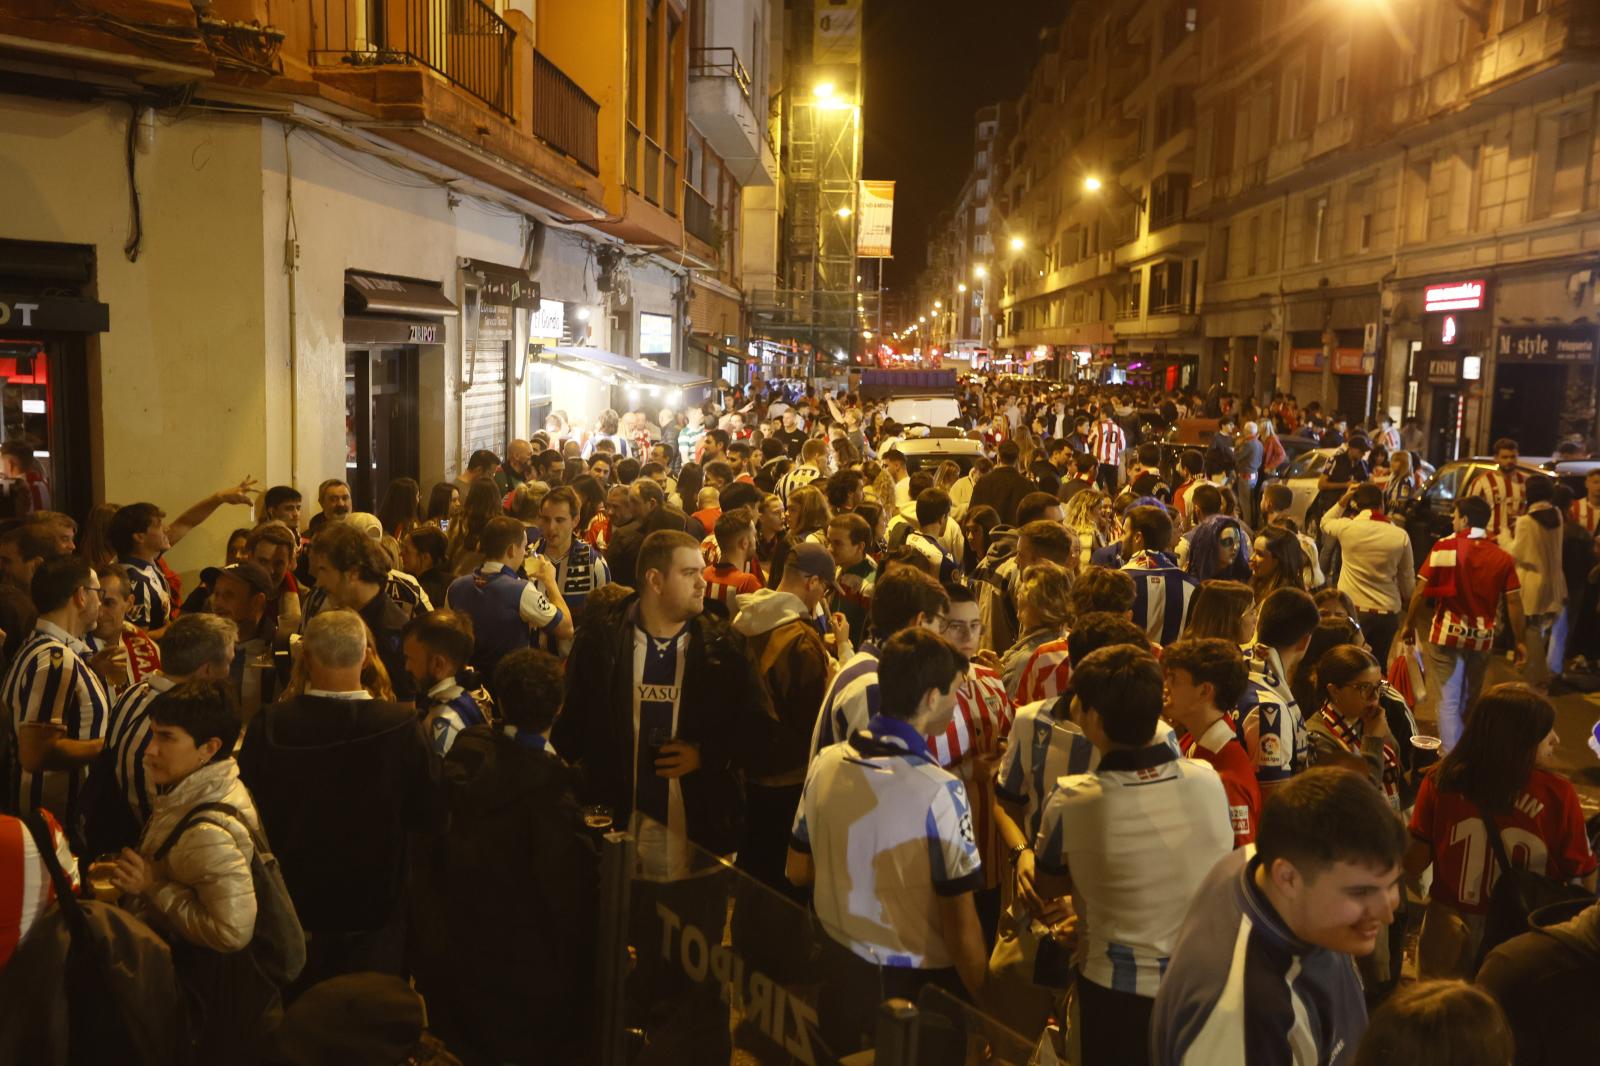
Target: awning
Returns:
[380, 294]
[726, 353]
[598, 363]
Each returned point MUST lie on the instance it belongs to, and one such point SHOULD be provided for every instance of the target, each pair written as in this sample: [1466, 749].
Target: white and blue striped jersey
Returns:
[889, 833]
[1137, 836]
[1039, 751]
[50, 681]
[851, 701]
[128, 735]
[1042, 750]
[150, 595]
[1274, 730]
[1162, 595]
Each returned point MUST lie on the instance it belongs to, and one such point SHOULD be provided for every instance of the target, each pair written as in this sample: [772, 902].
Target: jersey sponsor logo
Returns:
[658, 693]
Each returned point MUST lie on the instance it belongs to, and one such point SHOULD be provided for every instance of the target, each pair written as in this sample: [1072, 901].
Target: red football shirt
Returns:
[1483, 572]
[25, 888]
[1544, 832]
[1221, 748]
[726, 584]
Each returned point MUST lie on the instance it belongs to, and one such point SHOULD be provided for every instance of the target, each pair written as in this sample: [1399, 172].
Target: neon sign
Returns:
[1456, 296]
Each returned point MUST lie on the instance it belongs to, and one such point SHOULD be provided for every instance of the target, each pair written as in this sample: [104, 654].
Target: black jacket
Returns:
[339, 784]
[1003, 489]
[504, 906]
[722, 708]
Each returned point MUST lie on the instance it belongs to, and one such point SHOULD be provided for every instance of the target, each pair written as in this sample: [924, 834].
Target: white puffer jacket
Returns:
[203, 890]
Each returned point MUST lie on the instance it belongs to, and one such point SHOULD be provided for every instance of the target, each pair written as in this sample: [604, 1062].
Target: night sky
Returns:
[930, 65]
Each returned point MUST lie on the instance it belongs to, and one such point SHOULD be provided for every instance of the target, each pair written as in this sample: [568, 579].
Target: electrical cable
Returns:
[136, 230]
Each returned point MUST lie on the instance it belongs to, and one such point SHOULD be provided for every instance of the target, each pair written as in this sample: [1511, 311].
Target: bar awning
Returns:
[380, 294]
[597, 362]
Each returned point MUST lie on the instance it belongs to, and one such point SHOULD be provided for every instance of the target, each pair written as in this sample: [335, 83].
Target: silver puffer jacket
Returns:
[203, 892]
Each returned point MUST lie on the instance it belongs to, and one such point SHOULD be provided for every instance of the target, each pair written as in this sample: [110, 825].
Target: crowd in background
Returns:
[1084, 711]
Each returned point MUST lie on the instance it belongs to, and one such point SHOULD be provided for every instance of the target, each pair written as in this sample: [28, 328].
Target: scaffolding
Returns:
[822, 310]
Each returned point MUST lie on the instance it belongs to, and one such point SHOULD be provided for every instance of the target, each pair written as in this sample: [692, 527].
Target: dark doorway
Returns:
[1445, 425]
[1527, 405]
[380, 398]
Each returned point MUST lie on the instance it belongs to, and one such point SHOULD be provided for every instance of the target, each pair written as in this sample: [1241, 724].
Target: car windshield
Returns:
[1308, 465]
[1442, 489]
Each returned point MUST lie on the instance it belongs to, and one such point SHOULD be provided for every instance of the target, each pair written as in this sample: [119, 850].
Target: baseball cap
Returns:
[814, 561]
[252, 574]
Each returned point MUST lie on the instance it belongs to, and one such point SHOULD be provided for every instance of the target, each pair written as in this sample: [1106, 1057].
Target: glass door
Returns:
[380, 388]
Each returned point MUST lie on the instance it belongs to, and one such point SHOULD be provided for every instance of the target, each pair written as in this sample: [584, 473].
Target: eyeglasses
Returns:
[1365, 688]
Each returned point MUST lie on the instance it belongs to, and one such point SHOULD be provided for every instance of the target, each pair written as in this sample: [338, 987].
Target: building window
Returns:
[1565, 142]
[1219, 253]
[1335, 77]
[1419, 176]
[1358, 212]
[1517, 12]
[1293, 84]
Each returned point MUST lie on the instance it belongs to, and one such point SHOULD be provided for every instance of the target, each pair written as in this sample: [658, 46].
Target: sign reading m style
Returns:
[875, 220]
[1546, 344]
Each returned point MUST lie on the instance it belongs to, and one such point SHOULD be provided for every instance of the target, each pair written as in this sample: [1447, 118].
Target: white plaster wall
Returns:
[356, 212]
[177, 395]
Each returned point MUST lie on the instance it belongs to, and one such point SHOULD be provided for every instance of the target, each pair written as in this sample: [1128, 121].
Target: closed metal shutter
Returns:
[1306, 387]
[485, 404]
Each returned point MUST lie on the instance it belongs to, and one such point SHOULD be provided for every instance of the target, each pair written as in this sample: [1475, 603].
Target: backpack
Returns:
[278, 945]
[89, 984]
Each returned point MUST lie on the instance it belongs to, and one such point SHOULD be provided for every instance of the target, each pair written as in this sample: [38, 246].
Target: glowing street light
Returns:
[922, 318]
[980, 271]
[1017, 244]
[938, 305]
[823, 90]
[844, 212]
[961, 286]
[1091, 183]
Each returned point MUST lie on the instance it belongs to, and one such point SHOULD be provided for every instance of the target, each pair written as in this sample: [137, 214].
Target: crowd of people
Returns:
[1096, 701]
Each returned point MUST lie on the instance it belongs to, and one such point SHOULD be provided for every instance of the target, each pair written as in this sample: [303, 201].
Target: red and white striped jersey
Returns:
[1045, 675]
[969, 748]
[1107, 441]
[1507, 495]
[1585, 514]
[25, 888]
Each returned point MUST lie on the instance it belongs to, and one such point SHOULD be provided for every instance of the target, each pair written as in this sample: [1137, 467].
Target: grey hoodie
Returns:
[764, 610]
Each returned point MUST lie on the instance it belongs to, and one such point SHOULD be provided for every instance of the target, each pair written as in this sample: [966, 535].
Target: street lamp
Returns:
[823, 90]
[980, 271]
[922, 318]
[844, 212]
[1091, 183]
[1017, 244]
[938, 305]
[961, 286]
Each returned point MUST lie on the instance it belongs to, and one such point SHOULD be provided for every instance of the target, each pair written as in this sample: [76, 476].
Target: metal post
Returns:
[611, 972]
[896, 1043]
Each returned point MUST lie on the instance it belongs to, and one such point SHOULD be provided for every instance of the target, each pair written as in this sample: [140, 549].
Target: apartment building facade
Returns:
[358, 240]
[1388, 206]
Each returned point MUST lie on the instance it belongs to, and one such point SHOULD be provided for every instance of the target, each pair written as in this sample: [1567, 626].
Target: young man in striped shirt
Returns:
[1163, 592]
[1263, 971]
[1132, 841]
[1586, 512]
[905, 599]
[1271, 721]
[1205, 678]
[971, 746]
[1107, 442]
[1466, 575]
[1505, 489]
[55, 701]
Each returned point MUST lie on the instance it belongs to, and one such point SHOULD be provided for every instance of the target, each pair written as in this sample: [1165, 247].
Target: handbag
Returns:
[1517, 894]
[1028, 971]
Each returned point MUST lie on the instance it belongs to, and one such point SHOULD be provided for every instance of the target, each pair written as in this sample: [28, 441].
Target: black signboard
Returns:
[68, 314]
[505, 286]
[1443, 370]
[1546, 344]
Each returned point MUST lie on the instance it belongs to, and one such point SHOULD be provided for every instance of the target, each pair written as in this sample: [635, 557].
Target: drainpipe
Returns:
[291, 267]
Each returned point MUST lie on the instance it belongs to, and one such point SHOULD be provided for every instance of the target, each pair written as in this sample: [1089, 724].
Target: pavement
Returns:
[1576, 715]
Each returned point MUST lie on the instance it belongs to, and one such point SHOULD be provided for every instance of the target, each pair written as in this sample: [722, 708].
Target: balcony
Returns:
[153, 42]
[1332, 133]
[1164, 320]
[462, 41]
[699, 220]
[564, 116]
[651, 171]
[722, 106]
[1166, 237]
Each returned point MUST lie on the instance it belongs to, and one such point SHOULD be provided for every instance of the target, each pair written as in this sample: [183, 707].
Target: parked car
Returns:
[1431, 515]
[1306, 469]
[926, 453]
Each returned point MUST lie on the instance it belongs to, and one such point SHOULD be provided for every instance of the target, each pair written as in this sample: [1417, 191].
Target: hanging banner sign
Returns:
[875, 220]
[838, 32]
[1546, 344]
